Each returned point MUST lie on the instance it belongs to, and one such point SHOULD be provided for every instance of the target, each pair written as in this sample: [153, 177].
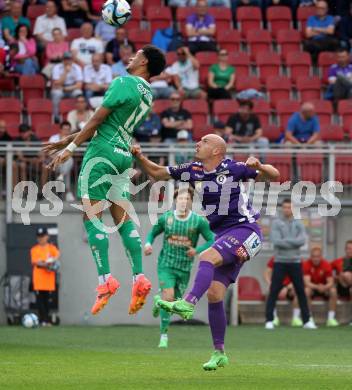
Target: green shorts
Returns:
[103, 173]
[173, 278]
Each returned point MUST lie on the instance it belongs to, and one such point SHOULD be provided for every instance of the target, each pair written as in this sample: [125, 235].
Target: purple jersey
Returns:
[222, 192]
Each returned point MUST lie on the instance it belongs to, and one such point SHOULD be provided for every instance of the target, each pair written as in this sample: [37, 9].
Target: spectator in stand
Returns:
[104, 31]
[113, 47]
[186, 75]
[219, 129]
[7, 59]
[2, 42]
[319, 282]
[54, 51]
[4, 135]
[303, 127]
[175, 119]
[75, 12]
[45, 24]
[119, 69]
[161, 86]
[320, 32]
[26, 60]
[340, 76]
[10, 22]
[287, 292]
[200, 29]
[97, 77]
[80, 115]
[66, 81]
[221, 77]
[84, 47]
[150, 129]
[182, 139]
[346, 29]
[340, 268]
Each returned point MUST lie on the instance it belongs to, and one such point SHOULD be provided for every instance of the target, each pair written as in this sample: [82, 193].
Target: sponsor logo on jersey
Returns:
[253, 244]
[183, 166]
[176, 240]
[223, 172]
[199, 175]
[145, 92]
[198, 186]
[233, 240]
[227, 244]
[242, 254]
[123, 152]
[196, 168]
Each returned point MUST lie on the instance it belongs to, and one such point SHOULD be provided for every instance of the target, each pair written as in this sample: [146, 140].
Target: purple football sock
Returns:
[202, 282]
[217, 322]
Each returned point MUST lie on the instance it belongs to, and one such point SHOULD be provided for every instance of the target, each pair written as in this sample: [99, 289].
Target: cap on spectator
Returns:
[182, 134]
[42, 231]
[67, 55]
[218, 125]
[23, 128]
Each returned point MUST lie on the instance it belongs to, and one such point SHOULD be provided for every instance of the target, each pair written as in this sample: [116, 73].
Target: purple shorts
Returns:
[242, 239]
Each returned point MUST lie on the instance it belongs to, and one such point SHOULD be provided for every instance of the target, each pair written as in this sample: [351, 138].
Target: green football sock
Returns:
[99, 244]
[133, 246]
[164, 321]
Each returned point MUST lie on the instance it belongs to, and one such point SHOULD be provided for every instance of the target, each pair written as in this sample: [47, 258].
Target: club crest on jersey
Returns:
[170, 220]
[221, 179]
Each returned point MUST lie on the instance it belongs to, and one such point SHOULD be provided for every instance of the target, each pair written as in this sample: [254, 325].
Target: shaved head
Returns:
[211, 149]
[217, 142]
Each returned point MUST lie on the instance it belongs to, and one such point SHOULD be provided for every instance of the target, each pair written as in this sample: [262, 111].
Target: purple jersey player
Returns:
[238, 237]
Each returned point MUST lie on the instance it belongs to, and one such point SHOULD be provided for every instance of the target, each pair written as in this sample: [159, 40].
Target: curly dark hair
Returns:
[156, 60]
[17, 32]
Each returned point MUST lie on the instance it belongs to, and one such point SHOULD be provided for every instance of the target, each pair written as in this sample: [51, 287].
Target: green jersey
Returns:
[180, 234]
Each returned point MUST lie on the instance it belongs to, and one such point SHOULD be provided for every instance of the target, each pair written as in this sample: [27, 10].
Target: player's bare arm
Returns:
[158, 172]
[266, 171]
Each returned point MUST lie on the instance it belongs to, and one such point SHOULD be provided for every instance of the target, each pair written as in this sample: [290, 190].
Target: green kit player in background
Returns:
[103, 176]
[181, 228]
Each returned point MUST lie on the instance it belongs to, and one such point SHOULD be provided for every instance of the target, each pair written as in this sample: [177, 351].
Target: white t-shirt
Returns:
[86, 48]
[45, 25]
[188, 75]
[102, 76]
[72, 77]
[55, 138]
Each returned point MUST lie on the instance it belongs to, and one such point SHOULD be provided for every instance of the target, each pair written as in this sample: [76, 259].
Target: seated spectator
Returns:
[97, 77]
[2, 42]
[80, 115]
[221, 78]
[346, 29]
[45, 24]
[160, 85]
[119, 69]
[182, 139]
[54, 51]
[26, 60]
[104, 31]
[340, 76]
[340, 268]
[113, 47]
[219, 129]
[4, 135]
[175, 119]
[84, 47]
[320, 31]
[319, 282]
[287, 293]
[150, 129]
[7, 59]
[66, 81]
[10, 22]
[75, 12]
[303, 127]
[245, 128]
[186, 75]
[200, 29]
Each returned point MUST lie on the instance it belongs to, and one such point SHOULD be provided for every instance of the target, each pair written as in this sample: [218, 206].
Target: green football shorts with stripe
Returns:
[173, 278]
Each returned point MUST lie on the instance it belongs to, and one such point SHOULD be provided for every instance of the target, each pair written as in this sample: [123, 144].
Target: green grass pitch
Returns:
[126, 357]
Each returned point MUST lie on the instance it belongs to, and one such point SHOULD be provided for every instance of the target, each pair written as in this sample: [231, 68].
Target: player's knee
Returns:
[212, 256]
[214, 296]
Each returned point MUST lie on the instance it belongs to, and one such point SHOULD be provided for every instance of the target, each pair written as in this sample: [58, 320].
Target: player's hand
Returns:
[59, 159]
[136, 150]
[148, 250]
[191, 252]
[51, 148]
[254, 163]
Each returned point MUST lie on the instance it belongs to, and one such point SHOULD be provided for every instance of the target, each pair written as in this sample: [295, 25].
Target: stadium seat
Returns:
[65, 106]
[279, 88]
[325, 60]
[13, 130]
[343, 169]
[222, 16]
[262, 110]
[249, 289]
[137, 16]
[40, 111]
[332, 133]
[7, 84]
[268, 63]
[182, 14]
[241, 62]
[324, 110]
[34, 11]
[200, 131]
[303, 13]
[140, 37]
[222, 109]
[161, 105]
[158, 17]
[229, 40]
[199, 110]
[171, 57]
[258, 40]
[310, 167]
[248, 18]
[298, 64]
[45, 130]
[288, 41]
[73, 33]
[206, 59]
[344, 109]
[308, 87]
[243, 83]
[285, 108]
[32, 87]
[10, 110]
[278, 18]
[283, 163]
[272, 132]
[150, 3]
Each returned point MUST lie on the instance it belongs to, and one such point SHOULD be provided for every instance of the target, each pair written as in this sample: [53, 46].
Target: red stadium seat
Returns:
[222, 16]
[13, 130]
[200, 131]
[229, 40]
[324, 110]
[151, 3]
[303, 13]
[343, 169]
[32, 87]
[182, 14]
[325, 60]
[66, 105]
[288, 41]
[243, 83]
[262, 110]
[310, 167]
[206, 59]
[40, 111]
[283, 163]
[332, 133]
[158, 17]
[136, 18]
[171, 57]
[34, 11]
[279, 88]
[7, 84]
[299, 64]
[285, 108]
[269, 64]
[161, 105]
[308, 87]
[249, 289]
[345, 110]
[222, 109]
[10, 111]
[241, 62]
[139, 37]
[248, 18]
[45, 130]
[199, 110]
[258, 40]
[272, 132]
[278, 18]
[73, 33]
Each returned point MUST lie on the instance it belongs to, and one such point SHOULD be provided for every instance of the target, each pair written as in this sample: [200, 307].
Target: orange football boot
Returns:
[140, 290]
[105, 292]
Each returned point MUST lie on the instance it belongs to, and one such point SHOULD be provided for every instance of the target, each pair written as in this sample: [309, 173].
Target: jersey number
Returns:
[134, 118]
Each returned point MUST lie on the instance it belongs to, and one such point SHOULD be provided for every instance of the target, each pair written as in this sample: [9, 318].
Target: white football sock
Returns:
[331, 315]
[163, 336]
[296, 313]
[103, 278]
[135, 277]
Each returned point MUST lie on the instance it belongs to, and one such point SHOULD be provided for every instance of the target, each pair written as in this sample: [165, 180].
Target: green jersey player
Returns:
[103, 175]
[181, 228]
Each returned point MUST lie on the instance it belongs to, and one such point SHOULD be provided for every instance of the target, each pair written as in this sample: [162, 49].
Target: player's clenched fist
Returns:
[253, 162]
[148, 250]
[60, 159]
[136, 150]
